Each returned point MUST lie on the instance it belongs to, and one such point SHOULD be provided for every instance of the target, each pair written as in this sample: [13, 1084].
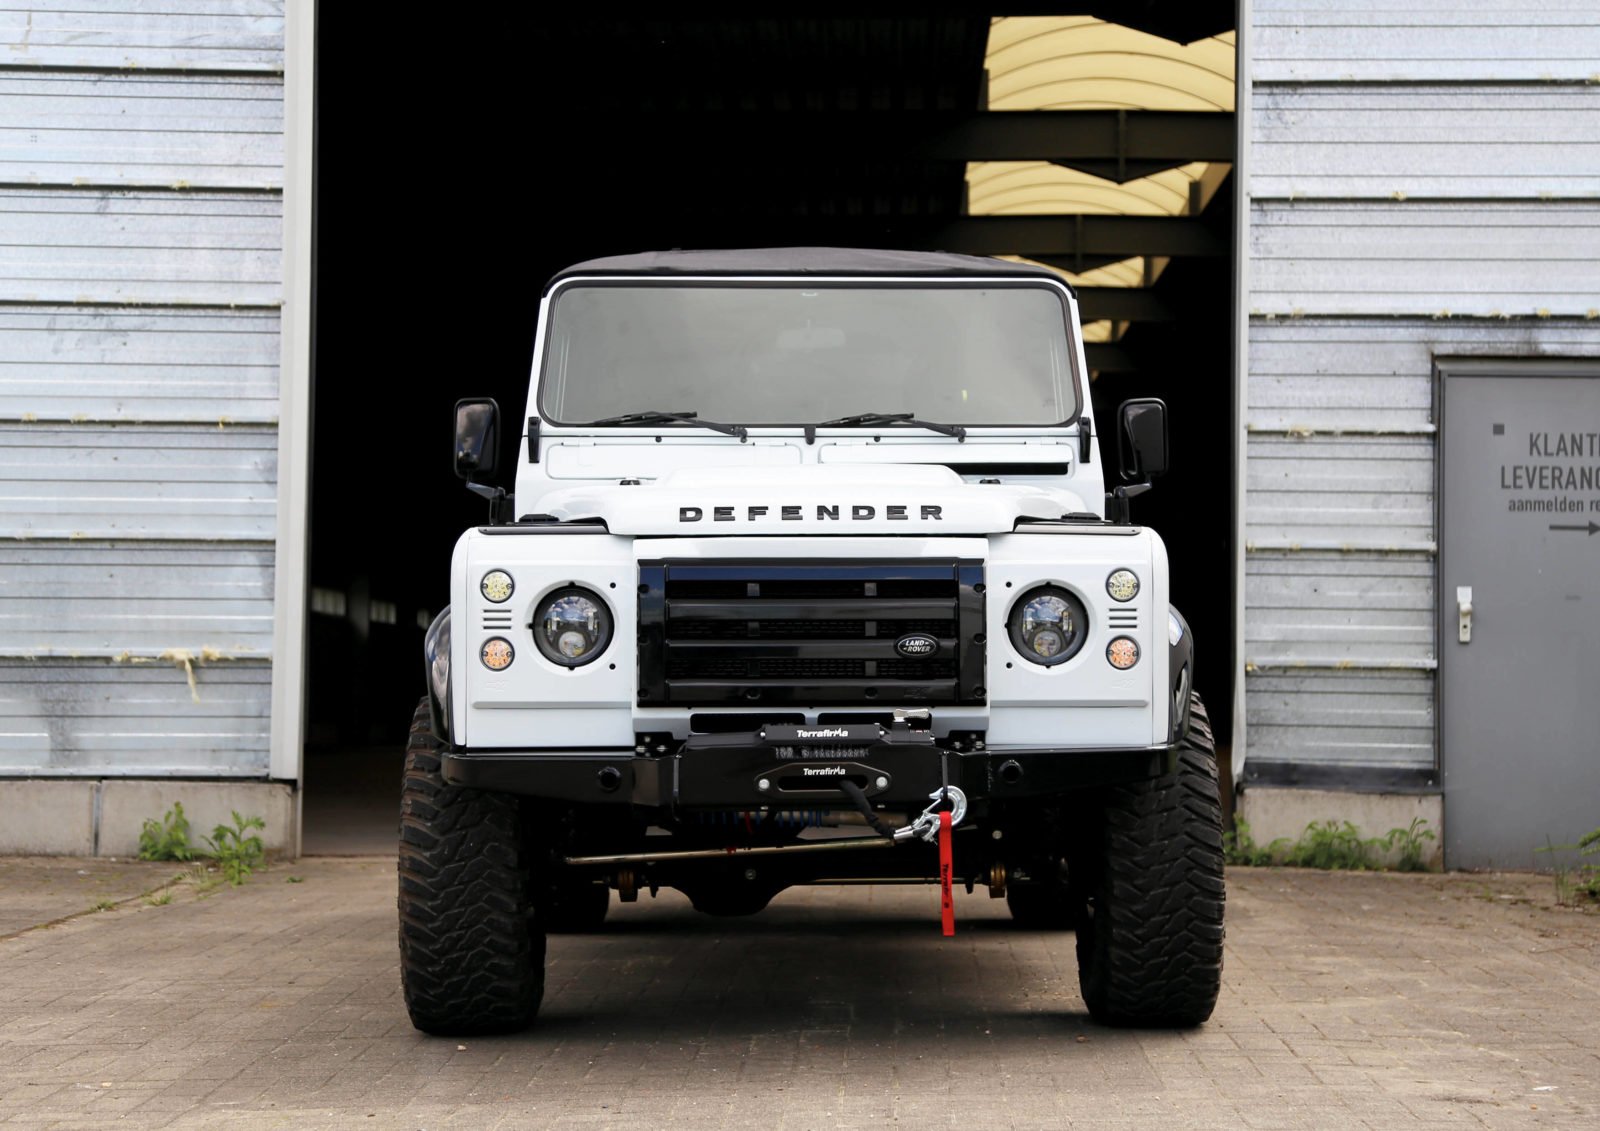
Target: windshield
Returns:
[801, 354]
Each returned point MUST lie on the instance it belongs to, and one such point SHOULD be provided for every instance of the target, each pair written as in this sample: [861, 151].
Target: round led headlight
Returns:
[572, 627]
[497, 654]
[497, 586]
[1123, 585]
[1122, 653]
[1048, 625]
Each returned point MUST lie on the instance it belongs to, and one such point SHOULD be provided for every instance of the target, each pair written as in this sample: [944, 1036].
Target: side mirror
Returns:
[1142, 439]
[477, 450]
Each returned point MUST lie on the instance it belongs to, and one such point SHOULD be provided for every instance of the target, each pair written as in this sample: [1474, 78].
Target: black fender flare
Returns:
[436, 673]
[1180, 673]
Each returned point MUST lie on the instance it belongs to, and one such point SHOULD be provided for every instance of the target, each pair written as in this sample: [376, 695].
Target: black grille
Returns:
[809, 632]
[769, 629]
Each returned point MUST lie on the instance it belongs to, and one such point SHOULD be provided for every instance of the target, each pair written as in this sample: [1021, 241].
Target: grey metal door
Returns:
[1519, 609]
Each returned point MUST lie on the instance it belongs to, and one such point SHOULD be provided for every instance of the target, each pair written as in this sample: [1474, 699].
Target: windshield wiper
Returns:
[653, 416]
[864, 418]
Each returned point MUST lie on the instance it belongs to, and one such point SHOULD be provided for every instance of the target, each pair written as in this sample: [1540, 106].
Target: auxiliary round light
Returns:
[1048, 625]
[497, 586]
[1122, 653]
[497, 654]
[572, 627]
[1123, 585]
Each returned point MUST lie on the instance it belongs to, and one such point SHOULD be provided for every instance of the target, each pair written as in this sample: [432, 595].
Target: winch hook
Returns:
[926, 826]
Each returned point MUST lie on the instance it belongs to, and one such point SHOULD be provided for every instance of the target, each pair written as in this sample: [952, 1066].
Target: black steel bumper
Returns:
[748, 771]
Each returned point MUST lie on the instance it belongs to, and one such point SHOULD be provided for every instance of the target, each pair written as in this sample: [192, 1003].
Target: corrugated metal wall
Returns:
[142, 149]
[1424, 182]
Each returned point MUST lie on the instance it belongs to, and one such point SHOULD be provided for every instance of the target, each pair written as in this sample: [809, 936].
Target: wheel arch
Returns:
[1180, 670]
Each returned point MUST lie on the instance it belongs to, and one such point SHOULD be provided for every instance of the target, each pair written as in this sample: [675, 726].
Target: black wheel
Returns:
[471, 956]
[1150, 939]
[577, 907]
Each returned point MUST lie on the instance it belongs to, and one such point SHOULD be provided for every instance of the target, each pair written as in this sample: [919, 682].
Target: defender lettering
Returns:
[859, 512]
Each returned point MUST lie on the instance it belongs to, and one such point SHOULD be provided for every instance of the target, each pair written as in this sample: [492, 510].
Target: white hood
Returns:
[813, 499]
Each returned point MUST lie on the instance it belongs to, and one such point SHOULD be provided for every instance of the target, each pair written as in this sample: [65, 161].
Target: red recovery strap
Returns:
[947, 903]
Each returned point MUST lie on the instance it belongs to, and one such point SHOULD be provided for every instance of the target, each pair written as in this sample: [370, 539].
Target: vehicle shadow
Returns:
[821, 971]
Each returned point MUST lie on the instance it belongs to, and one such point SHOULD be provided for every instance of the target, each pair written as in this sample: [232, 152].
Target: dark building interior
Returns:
[445, 200]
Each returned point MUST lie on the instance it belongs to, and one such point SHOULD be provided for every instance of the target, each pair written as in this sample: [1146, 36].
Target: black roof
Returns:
[844, 261]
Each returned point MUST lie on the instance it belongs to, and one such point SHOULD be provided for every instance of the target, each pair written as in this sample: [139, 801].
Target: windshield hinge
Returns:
[502, 506]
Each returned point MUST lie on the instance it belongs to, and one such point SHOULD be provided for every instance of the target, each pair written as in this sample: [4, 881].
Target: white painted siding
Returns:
[133, 131]
[1331, 717]
[1330, 608]
[145, 35]
[134, 718]
[1355, 375]
[152, 248]
[1488, 41]
[1489, 260]
[140, 288]
[1356, 491]
[1425, 183]
[1433, 142]
[138, 364]
[130, 599]
[77, 481]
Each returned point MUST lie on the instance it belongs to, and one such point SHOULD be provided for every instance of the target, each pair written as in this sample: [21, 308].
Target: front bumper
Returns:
[758, 770]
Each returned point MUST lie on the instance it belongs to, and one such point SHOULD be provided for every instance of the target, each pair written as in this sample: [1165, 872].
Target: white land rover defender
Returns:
[808, 547]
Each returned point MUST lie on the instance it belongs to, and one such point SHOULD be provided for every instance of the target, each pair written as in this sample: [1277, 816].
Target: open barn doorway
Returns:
[449, 193]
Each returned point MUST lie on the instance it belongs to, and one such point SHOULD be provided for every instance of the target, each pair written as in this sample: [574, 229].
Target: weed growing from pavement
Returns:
[1332, 845]
[1240, 847]
[236, 848]
[168, 838]
[159, 898]
[1579, 883]
[236, 853]
[1412, 844]
[203, 878]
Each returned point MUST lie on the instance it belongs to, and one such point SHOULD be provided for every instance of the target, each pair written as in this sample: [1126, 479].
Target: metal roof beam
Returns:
[1103, 357]
[1136, 141]
[1062, 240]
[1070, 242]
[1147, 138]
[1122, 304]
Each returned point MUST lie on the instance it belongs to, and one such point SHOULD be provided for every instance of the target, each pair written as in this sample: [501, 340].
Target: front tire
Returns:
[471, 955]
[1150, 938]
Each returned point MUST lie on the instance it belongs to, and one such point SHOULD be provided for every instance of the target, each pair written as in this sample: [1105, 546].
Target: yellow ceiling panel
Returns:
[1140, 271]
[1081, 63]
[999, 188]
[1103, 330]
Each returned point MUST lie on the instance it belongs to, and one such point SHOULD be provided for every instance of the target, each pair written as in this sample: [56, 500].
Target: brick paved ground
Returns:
[1351, 1001]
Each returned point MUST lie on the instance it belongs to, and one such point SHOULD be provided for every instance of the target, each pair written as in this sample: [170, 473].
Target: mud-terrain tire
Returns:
[1150, 938]
[471, 955]
[577, 908]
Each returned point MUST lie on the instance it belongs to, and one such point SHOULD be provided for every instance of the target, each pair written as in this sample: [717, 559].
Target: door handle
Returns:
[1464, 613]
